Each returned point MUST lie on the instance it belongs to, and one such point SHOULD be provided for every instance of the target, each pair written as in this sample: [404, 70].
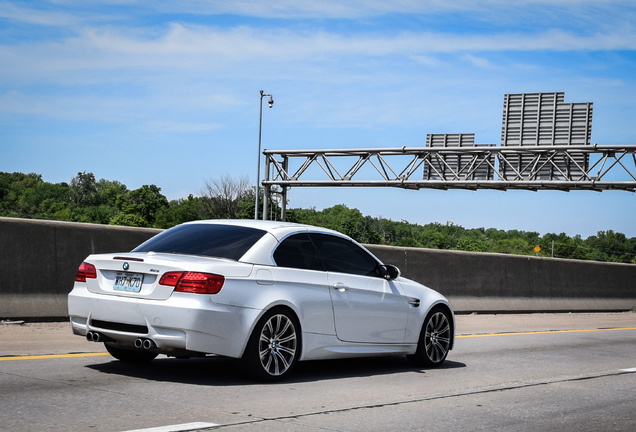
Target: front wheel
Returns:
[435, 339]
[130, 355]
[273, 347]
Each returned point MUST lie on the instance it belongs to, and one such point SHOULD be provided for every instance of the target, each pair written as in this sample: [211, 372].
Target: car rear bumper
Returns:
[184, 321]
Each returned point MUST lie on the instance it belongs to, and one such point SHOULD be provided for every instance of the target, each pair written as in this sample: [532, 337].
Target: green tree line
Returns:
[85, 199]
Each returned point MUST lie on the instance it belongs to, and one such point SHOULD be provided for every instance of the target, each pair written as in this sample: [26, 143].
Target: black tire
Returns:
[435, 339]
[130, 355]
[274, 346]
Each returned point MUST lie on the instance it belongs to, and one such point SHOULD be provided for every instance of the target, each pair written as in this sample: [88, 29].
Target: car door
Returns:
[302, 280]
[367, 308]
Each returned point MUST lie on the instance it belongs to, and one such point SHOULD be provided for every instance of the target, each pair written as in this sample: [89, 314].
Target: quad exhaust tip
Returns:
[140, 343]
[144, 344]
[92, 336]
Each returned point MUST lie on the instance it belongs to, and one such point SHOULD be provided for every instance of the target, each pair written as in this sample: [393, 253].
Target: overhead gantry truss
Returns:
[593, 167]
[569, 167]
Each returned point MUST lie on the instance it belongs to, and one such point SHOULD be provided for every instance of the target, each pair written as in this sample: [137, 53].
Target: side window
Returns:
[343, 256]
[297, 251]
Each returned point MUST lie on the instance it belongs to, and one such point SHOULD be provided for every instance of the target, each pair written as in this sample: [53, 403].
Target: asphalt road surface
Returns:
[533, 372]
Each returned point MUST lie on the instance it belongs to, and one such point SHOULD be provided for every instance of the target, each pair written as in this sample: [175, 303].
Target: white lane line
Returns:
[177, 428]
[629, 370]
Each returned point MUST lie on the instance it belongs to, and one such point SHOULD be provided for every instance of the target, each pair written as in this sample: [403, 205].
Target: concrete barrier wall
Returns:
[488, 282]
[39, 259]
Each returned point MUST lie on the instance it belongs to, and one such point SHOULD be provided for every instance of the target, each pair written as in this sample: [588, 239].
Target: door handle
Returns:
[340, 287]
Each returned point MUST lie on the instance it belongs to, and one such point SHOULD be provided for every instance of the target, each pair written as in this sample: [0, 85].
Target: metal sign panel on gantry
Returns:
[454, 166]
[544, 119]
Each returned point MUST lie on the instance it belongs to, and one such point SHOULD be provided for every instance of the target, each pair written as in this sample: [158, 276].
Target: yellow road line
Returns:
[544, 332]
[51, 356]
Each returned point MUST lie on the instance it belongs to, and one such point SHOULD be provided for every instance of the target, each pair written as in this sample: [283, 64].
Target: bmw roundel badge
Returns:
[126, 266]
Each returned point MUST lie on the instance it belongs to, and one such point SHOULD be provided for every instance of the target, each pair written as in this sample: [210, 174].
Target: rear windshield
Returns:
[220, 241]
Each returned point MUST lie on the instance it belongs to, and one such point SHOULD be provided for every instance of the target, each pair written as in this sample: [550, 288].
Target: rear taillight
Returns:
[170, 278]
[193, 282]
[85, 271]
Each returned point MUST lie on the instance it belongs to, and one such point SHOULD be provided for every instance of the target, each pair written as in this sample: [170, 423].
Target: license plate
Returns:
[130, 282]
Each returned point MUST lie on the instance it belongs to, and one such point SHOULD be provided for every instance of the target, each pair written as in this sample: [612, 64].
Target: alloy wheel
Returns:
[437, 339]
[277, 344]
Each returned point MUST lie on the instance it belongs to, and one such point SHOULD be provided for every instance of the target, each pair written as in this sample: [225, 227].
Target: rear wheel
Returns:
[130, 355]
[435, 339]
[274, 346]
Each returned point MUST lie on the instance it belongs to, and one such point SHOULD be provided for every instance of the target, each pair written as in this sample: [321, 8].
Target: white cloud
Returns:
[358, 9]
[30, 15]
[480, 62]
[185, 47]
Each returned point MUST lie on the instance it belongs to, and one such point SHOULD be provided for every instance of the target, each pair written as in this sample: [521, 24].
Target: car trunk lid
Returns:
[137, 275]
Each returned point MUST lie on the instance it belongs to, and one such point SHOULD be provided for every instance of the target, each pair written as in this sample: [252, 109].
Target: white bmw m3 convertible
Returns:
[268, 293]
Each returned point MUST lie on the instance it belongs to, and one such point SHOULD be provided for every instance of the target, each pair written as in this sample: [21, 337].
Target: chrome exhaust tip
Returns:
[93, 336]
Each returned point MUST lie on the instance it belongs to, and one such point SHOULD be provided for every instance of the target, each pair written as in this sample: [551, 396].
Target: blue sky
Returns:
[167, 92]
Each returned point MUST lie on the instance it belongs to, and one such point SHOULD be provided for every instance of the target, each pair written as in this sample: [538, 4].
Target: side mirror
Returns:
[389, 272]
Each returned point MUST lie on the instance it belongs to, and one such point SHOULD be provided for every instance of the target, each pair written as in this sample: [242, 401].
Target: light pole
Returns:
[258, 164]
